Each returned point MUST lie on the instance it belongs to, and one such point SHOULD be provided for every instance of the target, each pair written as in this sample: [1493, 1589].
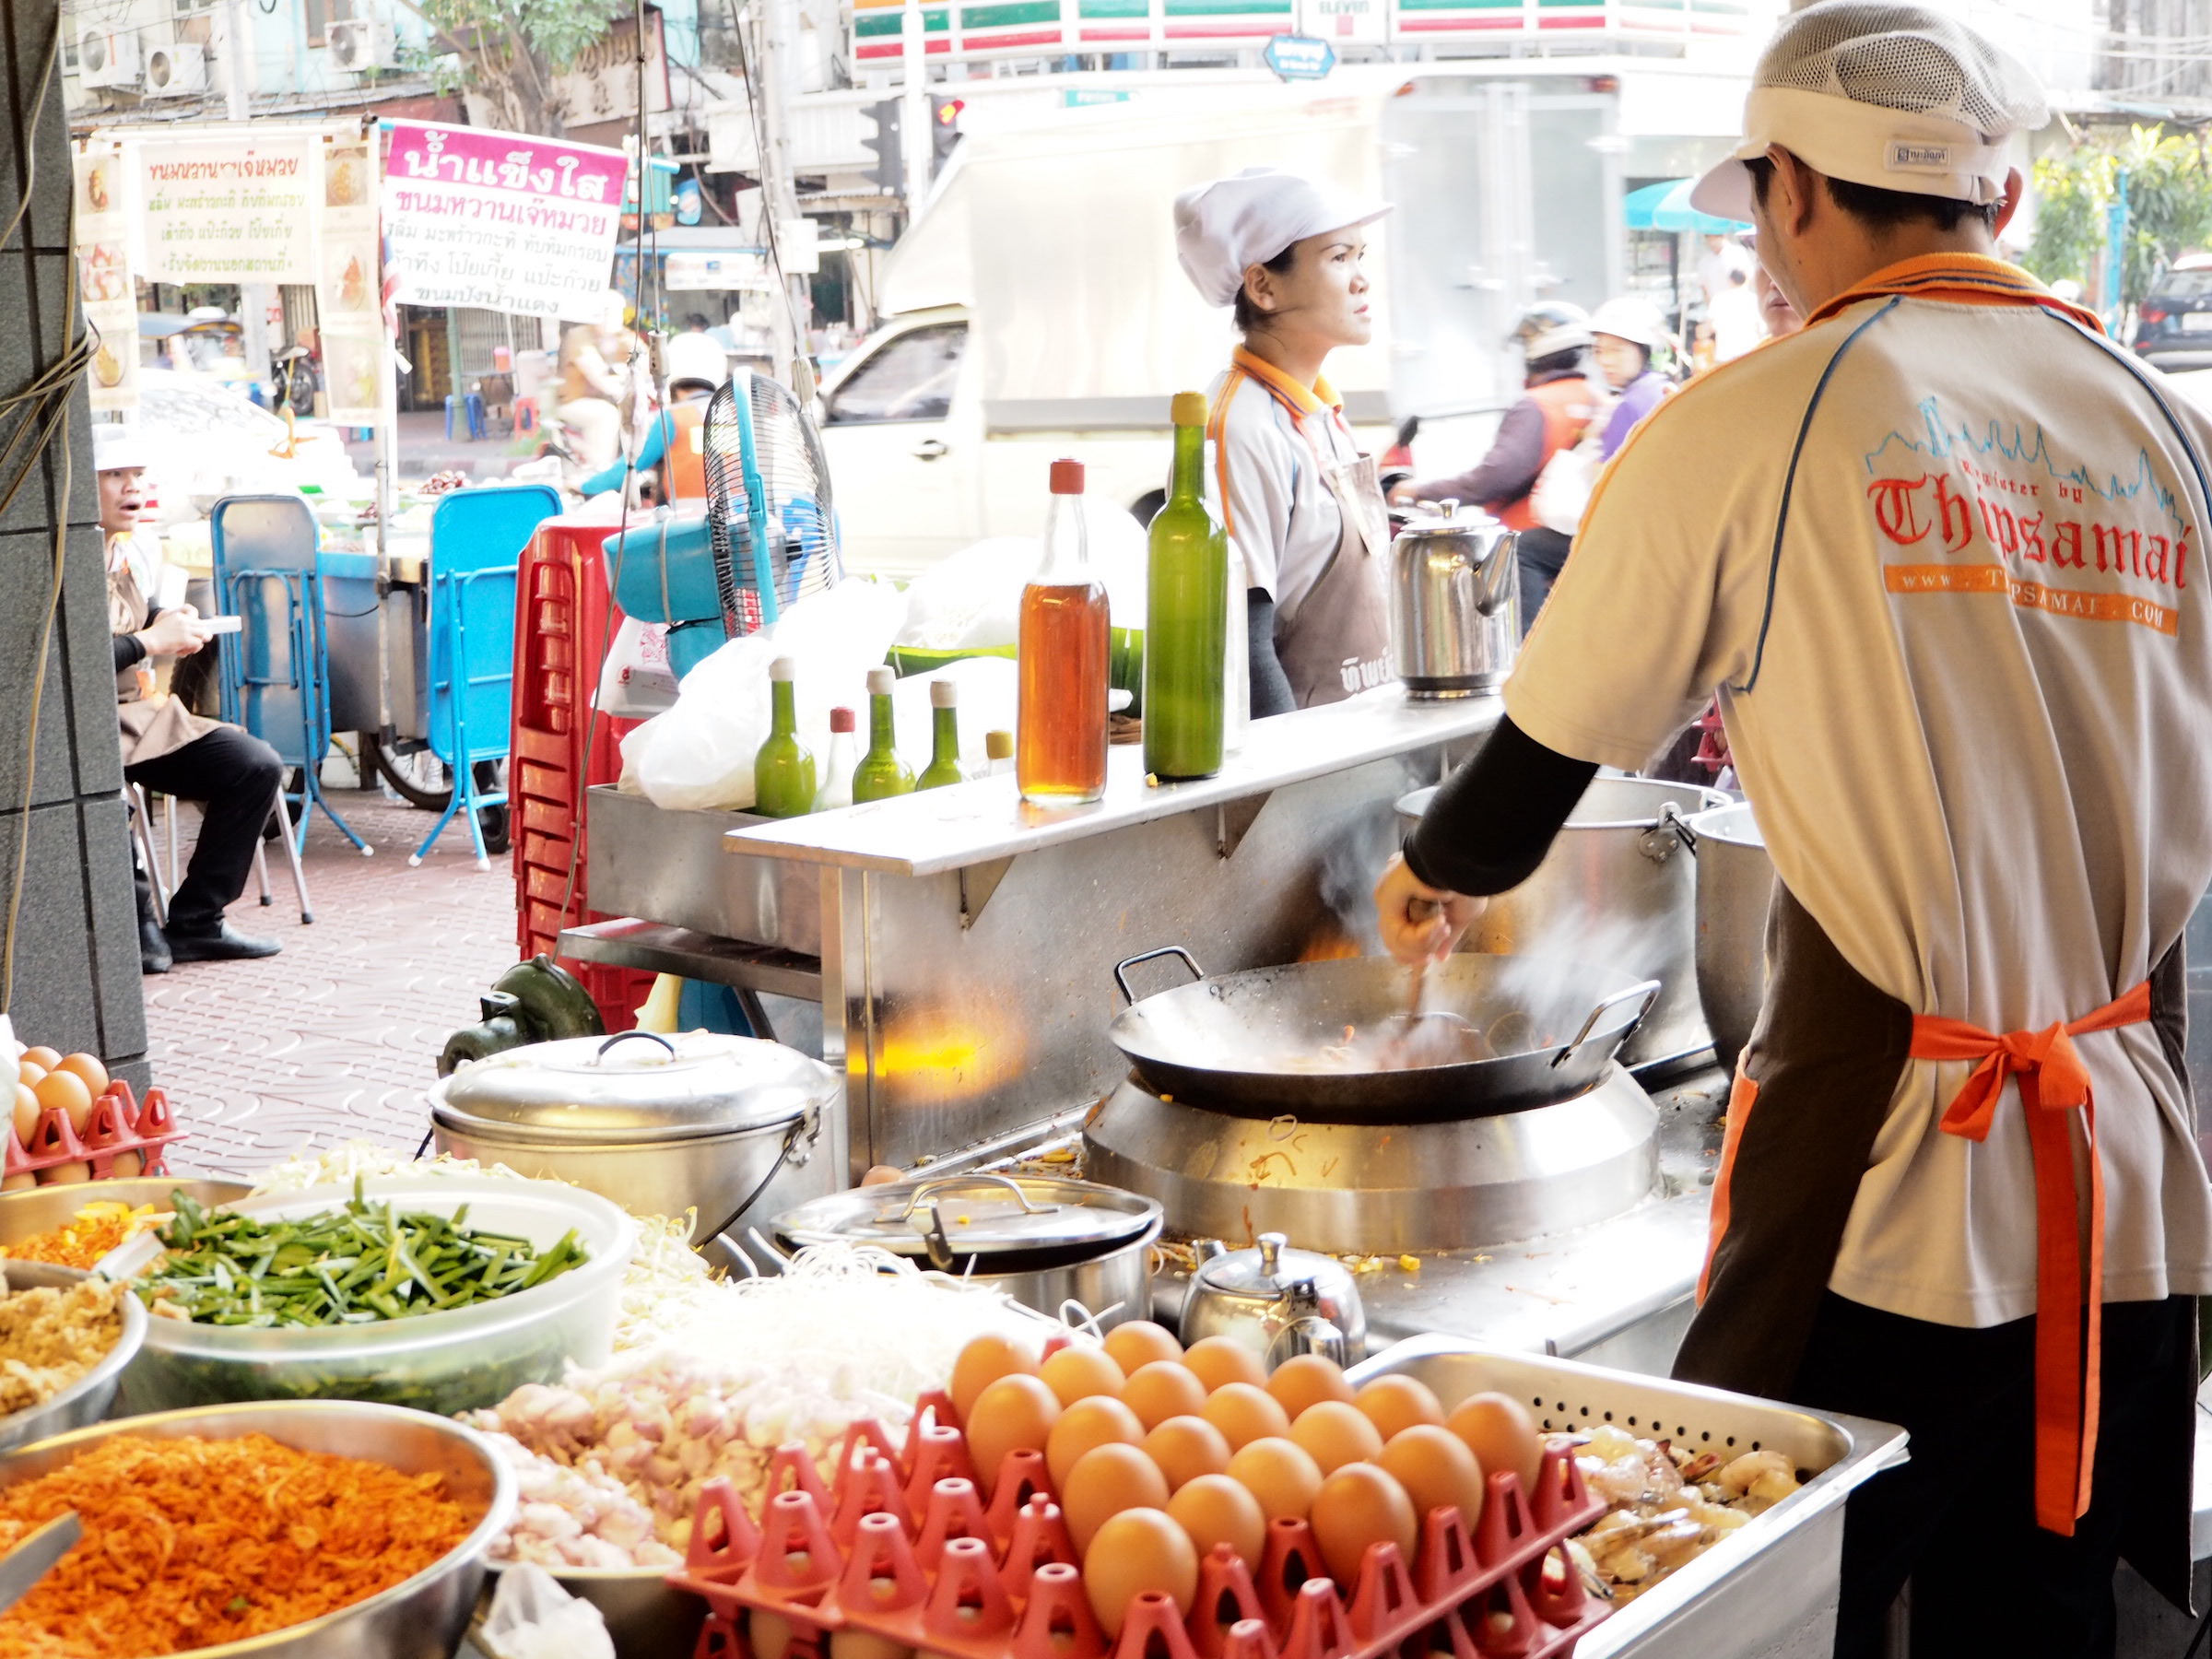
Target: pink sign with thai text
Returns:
[500, 220]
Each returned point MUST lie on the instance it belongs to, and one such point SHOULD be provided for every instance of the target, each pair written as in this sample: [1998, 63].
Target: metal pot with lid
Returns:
[703, 1122]
[1278, 1303]
[1044, 1240]
[1455, 603]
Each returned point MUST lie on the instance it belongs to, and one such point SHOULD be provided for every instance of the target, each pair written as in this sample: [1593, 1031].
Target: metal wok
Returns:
[1252, 1043]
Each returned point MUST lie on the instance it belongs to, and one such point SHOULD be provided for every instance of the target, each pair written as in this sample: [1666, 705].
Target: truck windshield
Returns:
[910, 378]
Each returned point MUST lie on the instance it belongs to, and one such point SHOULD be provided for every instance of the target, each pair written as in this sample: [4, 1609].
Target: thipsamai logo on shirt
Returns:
[1917, 155]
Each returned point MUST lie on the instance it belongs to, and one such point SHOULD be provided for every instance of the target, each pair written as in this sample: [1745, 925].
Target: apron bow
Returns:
[2053, 1082]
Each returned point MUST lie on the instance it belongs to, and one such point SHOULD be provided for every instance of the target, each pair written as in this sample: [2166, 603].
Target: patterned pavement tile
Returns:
[337, 1037]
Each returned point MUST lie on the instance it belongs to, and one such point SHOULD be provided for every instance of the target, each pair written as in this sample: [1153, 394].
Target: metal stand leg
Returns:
[142, 832]
[261, 875]
[307, 914]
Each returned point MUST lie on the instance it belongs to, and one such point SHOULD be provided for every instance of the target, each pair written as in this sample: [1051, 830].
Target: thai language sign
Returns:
[229, 212]
[500, 220]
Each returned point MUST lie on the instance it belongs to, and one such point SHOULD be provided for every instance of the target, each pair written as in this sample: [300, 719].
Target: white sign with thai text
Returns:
[229, 212]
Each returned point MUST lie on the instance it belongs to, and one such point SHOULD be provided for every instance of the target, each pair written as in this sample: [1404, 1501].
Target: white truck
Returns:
[1035, 309]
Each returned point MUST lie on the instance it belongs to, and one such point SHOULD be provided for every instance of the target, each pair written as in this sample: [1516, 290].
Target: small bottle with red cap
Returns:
[837, 772]
[1064, 660]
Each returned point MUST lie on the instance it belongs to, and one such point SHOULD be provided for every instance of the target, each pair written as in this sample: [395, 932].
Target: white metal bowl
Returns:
[87, 1400]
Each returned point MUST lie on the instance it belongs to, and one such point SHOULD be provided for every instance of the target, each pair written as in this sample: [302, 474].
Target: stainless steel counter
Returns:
[963, 944]
[977, 823]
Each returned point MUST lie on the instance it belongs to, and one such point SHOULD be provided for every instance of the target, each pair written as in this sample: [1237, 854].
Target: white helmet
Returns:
[1635, 320]
[1553, 327]
[695, 357]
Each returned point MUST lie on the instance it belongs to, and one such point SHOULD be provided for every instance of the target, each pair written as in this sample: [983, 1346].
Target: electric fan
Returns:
[772, 523]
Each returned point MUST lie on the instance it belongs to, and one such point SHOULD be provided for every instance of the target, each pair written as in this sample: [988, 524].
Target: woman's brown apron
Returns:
[1811, 1093]
[154, 723]
[1336, 641]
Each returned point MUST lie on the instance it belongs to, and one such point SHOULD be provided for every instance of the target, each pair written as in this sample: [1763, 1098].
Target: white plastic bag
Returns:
[987, 691]
[637, 680]
[532, 1617]
[700, 754]
[971, 601]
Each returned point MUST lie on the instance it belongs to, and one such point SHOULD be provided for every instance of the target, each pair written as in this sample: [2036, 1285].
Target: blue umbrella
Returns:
[1666, 206]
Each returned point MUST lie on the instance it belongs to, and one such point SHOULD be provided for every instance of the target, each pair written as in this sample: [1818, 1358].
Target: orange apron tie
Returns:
[2053, 1082]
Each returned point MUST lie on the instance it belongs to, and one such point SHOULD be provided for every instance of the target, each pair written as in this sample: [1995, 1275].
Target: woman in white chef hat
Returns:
[1300, 501]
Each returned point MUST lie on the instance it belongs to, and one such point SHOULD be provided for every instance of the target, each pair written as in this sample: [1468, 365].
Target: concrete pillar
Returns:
[76, 956]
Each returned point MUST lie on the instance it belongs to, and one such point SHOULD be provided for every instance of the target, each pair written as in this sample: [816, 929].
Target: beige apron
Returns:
[1337, 641]
[152, 725]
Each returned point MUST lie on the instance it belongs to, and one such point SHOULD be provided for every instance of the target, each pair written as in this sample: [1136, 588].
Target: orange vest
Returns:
[1568, 405]
[684, 467]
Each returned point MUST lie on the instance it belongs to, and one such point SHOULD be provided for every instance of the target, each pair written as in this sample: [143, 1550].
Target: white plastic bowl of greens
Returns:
[442, 1292]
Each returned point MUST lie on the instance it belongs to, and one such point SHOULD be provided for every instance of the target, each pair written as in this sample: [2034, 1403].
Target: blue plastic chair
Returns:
[276, 669]
[477, 542]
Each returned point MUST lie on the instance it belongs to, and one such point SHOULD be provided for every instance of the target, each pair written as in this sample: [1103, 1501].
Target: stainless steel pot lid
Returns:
[632, 1087]
[1447, 517]
[976, 1216]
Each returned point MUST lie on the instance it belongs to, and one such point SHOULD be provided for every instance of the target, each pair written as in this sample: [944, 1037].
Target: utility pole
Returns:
[255, 300]
[778, 190]
[914, 120]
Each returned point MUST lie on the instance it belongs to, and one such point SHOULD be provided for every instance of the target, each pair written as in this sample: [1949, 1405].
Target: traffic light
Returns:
[943, 130]
[890, 171]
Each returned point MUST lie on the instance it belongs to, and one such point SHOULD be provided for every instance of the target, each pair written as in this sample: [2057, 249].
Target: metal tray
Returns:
[671, 865]
[1767, 1591]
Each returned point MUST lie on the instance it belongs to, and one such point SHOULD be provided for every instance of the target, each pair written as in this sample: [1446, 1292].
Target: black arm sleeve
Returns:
[1271, 692]
[1494, 819]
[129, 649]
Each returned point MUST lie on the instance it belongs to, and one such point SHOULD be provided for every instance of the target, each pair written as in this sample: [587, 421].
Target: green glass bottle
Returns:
[944, 757]
[881, 773]
[1186, 614]
[783, 770]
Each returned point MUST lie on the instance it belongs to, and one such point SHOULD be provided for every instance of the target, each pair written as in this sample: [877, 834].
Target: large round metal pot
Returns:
[1735, 886]
[1256, 1043]
[722, 1126]
[1043, 1241]
[1619, 886]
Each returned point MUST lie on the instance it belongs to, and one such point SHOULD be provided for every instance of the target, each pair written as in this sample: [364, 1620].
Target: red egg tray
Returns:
[118, 1124]
[904, 1547]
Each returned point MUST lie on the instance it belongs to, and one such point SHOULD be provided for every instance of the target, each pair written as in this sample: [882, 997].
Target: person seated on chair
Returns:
[167, 748]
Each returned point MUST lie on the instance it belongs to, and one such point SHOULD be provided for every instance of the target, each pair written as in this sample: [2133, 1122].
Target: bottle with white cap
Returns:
[1063, 651]
[837, 771]
[783, 780]
[881, 773]
[944, 757]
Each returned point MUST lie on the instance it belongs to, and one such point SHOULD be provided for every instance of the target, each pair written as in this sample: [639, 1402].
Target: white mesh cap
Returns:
[1896, 96]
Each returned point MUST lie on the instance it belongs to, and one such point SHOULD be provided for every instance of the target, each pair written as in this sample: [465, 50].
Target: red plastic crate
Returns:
[902, 1546]
[564, 621]
[118, 1124]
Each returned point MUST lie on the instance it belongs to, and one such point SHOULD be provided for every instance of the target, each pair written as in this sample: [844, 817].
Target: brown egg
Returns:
[861, 1644]
[89, 1068]
[1185, 1447]
[1015, 1412]
[1105, 1481]
[1395, 1403]
[1215, 1510]
[1436, 1468]
[1306, 1380]
[1279, 1474]
[1500, 1431]
[1357, 1506]
[1097, 1422]
[1163, 1389]
[983, 1362]
[26, 1111]
[1138, 1551]
[1334, 1433]
[771, 1633]
[1222, 1359]
[1140, 1342]
[40, 1055]
[67, 1090]
[1244, 1414]
[1076, 1373]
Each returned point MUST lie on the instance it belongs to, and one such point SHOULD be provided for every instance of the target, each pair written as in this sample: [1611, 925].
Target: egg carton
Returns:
[904, 1549]
[118, 1124]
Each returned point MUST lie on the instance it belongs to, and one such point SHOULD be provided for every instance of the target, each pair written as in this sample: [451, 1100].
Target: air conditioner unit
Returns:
[176, 71]
[107, 57]
[361, 45]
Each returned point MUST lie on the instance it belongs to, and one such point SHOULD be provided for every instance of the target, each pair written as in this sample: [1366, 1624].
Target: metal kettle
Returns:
[1455, 603]
[1278, 1302]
